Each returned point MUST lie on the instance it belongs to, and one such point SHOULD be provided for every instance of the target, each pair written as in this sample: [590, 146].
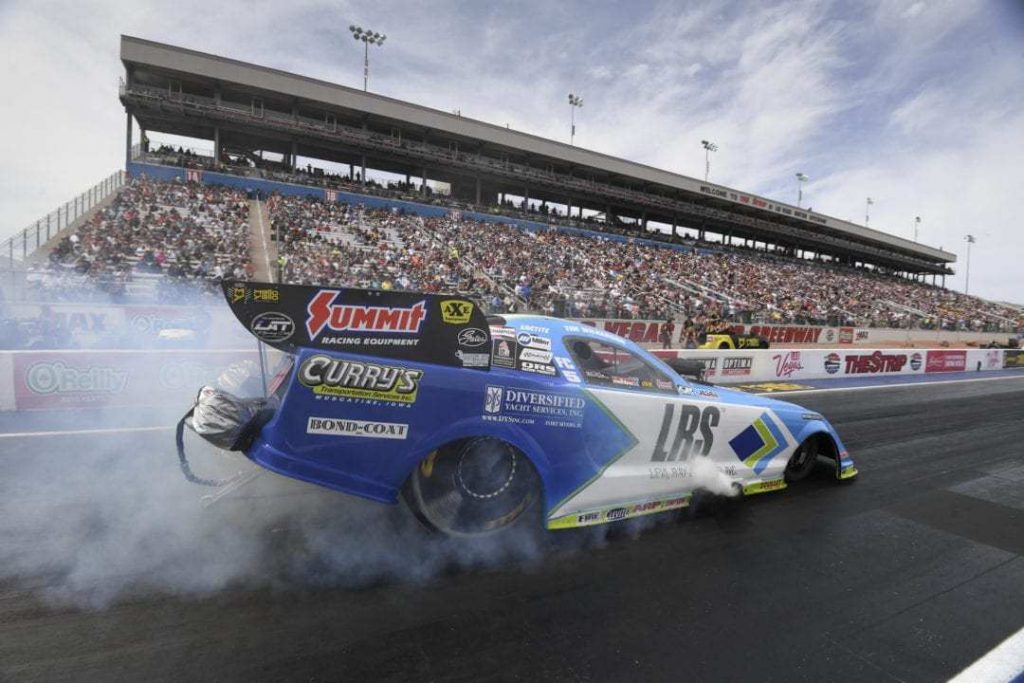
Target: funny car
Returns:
[474, 421]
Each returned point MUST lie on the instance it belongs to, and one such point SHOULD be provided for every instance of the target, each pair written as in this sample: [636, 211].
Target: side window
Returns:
[608, 365]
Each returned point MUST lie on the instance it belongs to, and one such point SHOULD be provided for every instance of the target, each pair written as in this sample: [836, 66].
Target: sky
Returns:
[918, 104]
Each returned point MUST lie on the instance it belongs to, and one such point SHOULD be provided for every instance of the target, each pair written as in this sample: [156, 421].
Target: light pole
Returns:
[800, 180]
[867, 211]
[709, 147]
[575, 102]
[917, 224]
[369, 38]
[970, 240]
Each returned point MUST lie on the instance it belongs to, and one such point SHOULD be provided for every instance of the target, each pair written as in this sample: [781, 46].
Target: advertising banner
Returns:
[788, 365]
[50, 380]
[942, 360]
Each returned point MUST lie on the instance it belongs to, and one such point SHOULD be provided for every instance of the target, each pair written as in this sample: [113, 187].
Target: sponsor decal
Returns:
[643, 332]
[946, 361]
[588, 518]
[330, 426]
[533, 341]
[830, 335]
[764, 486]
[756, 445]
[472, 337]
[733, 366]
[915, 362]
[625, 381]
[323, 313]
[336, 379]
[811, 416]
[503, 333]
[875, 363]
[1013, 358]
[862, 335]
[568, 369]
[524, 406]
[504, 353]
[832, 363]
[263, 295]
[993, 359]
[845, 335]
[537, 329]
[616, 514]
[710, 365]
[786, 364]
[59, 378]
[535, 355]
[692, 433]
[538, 368]
[664, 385]
[456, 311]
[707, 393]
[272, 327]
[473, 360]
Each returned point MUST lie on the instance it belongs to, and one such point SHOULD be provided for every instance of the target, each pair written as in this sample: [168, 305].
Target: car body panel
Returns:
[360, 423]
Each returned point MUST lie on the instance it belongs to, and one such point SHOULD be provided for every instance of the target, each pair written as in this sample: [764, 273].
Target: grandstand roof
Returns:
[181, 91]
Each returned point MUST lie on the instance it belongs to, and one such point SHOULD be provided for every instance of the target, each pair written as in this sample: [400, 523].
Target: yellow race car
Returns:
[732, 340]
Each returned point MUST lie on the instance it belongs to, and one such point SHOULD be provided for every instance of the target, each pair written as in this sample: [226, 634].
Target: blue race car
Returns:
[474, 421]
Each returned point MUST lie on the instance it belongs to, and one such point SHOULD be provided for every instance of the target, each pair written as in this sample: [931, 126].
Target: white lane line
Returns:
[85, 432]
[902, 385]
[1003, 663]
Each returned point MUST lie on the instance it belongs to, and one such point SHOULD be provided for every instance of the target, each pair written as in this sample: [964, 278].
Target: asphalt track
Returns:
[910, 573]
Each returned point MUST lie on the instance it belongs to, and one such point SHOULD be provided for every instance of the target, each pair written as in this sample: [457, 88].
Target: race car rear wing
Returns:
[428, 328]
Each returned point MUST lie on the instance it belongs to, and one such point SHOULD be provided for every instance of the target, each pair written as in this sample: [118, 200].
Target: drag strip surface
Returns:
[911, 573]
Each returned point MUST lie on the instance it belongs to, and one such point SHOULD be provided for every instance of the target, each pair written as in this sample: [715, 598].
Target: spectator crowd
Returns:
[154, 238]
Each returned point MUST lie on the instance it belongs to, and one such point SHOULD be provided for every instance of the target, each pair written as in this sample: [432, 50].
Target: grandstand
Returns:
[188, 220]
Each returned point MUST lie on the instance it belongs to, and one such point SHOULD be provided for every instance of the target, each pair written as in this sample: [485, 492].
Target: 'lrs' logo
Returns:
[492, 400]
[456, 312]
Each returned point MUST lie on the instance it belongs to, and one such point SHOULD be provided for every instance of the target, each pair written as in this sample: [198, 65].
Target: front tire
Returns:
[472, 487]
[803, 460]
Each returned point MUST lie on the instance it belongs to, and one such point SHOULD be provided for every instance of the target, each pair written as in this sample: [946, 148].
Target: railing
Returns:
[16, 249]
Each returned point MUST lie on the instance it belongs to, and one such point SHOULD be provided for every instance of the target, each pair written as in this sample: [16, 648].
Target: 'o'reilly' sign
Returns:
[344, 317]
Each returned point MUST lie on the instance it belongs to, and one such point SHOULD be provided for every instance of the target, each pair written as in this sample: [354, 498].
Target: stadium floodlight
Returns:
[575, 102]
[369, 38]
[917, 224]
[967, 285]
[801, 178]
[709, 147]
[867, 210]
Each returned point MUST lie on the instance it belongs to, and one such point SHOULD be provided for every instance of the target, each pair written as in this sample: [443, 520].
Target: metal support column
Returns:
[216, 144]
[295, 153]
[423, 187]
[128, 141]
[478, 190]
[362, 162]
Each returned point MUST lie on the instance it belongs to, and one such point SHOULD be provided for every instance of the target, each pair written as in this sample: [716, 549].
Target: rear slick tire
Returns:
[473, 487]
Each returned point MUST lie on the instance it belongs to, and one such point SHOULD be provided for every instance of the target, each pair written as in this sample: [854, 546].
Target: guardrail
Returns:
[17, 248]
